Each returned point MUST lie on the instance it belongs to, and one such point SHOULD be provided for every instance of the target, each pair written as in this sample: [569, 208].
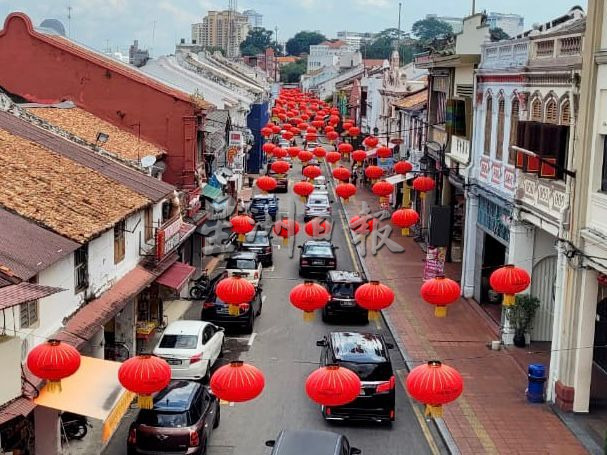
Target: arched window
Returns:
[536, 110]
[488, 120]
[514, 118]
[551, 111]
[566, 113]
[501, 114]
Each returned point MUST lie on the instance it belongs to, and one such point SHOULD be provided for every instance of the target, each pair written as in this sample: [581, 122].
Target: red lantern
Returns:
[434, 385]
[311, 172]
[330, 129]
[382, 189]
[334, 119]
[318, 124]
[347, 125]
[345, 191]
[295, 131]
[241, 225]
[359, 156]
[268, 148]
[423, 184]
[319, 152]
[280, 167]
[237, 382]
[361, 225]
[333, 157]
[53, 361]
[384, 152]
[286, 228]
[311, 137]
[293, 151]
[509, 280]
[404, 219]
[371, 141]
[279, 153]
[144, 375]
[303, 189]
[309, 297]
[275, 129]
[333, 386]
[345, 148]
[342, 174]
[302, 126]
[332, 135]
[266, 184]
[440, 291]
[403, 167]
[305, 156]
[318, 228]
[354, 131]
[235, 290]
[287, 135]
[311, 129]
[374, 172]
[266, 132]
[374, 297]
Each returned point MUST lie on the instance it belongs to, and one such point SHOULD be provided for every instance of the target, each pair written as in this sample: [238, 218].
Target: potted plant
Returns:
[520, 315]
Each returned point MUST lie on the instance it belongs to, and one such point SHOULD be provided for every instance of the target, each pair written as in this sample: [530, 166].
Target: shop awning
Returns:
[16, 294]
[211, 192]
[93, 391]
[20, 407]
[176, 276]
[396, 179]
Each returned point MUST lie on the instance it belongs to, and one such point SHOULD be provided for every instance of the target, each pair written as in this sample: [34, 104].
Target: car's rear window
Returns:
[259, 238]
[245, 264]
[153, 418]
[344, 290]
[370, 371]
[315, 250]
[319, 201]
[179, 341]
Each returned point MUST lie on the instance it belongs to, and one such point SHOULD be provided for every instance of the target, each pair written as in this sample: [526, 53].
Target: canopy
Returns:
[176, 276]
[396, 179]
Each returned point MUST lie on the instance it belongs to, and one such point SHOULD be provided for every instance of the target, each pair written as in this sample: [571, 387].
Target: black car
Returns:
[181, 420]
[282, 182]
[259, 241]
[216, 311]
[262, 204]
[317, 257]
[367, 355]
[309, 442]
[342, 285]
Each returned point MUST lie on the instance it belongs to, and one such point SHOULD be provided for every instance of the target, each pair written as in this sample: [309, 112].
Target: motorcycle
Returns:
[200, 288]
[73, 426]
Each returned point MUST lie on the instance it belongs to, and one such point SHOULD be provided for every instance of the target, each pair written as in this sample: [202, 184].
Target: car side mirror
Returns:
[355, 451]
[336, 248]
[321, 343]
[300, 247]
[389, 345]
[271, 443]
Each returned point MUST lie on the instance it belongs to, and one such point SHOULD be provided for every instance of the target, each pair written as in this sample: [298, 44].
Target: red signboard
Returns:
[167, 237]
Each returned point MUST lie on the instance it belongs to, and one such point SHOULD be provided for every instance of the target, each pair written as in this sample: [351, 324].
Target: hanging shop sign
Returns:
[167, 237]
[194, 204]
[236, 139]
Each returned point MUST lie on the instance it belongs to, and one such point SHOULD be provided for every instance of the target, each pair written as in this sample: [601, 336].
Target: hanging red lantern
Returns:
[311, 137]
[280, 167]
[235, 290]
[509, 280]
[374, 172]
[302, 126]
[371, 142]
[266, 183]
[266, 132]
[334, 119]
[434, 385]
[53, 361]
[303, 189]
[354, 131]
[333, 386]
[293, 151]
[287, 135]
[333, 157]
[404, 219]
[309, 297]
[374, 296]
[361, 225]
[144, 375]
[359, 156]
[275, 129]
[296, 121]
[286, 228]
[346, 125]
[311, 129]
[330, 129]
[268, 148]
[403, 167]
[384, 152]
[279, 153]
[318, 124]
[237, 382]
[341, 173]
[318, 228]
[423, 184]
[282, 117]
[345, 148]
[332, 135]
[311, 172]
[242, 225]
[295, 131]
[382, 189]
[319, 152]
[440, 291]
[345, 191]
[305, 156]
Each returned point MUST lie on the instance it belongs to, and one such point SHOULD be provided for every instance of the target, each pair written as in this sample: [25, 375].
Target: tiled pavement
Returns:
[492, 415]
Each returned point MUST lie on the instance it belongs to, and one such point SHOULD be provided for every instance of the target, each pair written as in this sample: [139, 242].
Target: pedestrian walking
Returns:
[354, 177]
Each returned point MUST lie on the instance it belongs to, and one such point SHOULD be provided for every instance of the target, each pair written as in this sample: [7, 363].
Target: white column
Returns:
[48, 440]
[562, 277]
[585, 341]
[469, 256]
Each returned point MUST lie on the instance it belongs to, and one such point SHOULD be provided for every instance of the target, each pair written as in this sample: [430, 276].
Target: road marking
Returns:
[377, 324]
[263, 298]
[271, 269]
[251, 339]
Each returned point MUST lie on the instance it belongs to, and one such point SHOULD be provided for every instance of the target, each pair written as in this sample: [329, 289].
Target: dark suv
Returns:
[367, 355]
[342, 285]
[259, 241]
[262, 204]
[180, 422]
[309, 442]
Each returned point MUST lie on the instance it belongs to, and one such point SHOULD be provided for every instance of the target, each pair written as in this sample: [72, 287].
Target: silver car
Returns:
[318, 205]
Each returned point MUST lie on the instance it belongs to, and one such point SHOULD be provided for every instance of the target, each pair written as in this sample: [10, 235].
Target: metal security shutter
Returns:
[542, 287]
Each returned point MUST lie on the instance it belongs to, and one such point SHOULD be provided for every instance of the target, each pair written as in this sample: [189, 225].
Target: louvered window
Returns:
[499, 150]
[514, 118]
[551, 112]
[536, 110]
[566, 113]
[488, 119]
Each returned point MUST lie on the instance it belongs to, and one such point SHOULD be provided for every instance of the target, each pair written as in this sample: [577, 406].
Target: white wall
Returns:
[472, 36]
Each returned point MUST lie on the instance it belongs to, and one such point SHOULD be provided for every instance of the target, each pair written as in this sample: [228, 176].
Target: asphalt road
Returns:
[284, 347]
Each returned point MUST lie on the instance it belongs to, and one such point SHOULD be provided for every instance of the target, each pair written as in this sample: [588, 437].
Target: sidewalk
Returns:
[492, 415]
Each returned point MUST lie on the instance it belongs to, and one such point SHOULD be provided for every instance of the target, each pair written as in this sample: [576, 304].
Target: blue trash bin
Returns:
[537, 382]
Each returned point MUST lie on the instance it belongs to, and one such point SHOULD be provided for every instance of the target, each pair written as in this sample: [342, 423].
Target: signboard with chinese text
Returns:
[167, 237]
[236, 139]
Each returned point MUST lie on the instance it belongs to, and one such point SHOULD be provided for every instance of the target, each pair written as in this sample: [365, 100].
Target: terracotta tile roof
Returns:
[27, 248]
[334, 44]
[21, 406]
[62, 195]
[287, 59]
[413, 100]
[86, 126]
[373, 62]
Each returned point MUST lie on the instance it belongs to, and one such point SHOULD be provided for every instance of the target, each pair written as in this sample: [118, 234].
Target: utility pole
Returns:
[69, 19]
[153, 38]
[399, 8]
[473, 7]
[277, 54]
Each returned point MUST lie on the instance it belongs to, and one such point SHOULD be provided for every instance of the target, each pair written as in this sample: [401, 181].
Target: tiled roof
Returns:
[288, 59]
[27, 248]
[21, 406]
[334, 44]
[17, 294]
[86, 126]
[73, 200]
[373, 62]
[412, 101]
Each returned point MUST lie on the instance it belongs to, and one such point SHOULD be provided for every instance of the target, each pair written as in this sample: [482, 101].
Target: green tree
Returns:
[292, 71]
[431, 28]
[257, 41]
[302, 41]
[213, 49]
[497, 34]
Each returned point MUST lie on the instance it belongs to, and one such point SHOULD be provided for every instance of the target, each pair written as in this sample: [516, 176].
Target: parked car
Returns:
[282, 183]
[262, 204]
[259, 241]
[367, 355]
[309, 442]
[312, 145]
[317, 257]
[318, 205]
[190, 348]
[181, 421]
[342, 285]
[216, 311]
[320, 186]
[312, 162]
[246, 264]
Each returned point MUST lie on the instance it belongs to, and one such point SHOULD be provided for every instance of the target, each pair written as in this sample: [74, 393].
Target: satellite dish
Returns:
[148, 161]
[226, 172]
[222, 180]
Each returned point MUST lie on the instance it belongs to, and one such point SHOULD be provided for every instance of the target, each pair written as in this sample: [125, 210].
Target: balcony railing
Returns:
[572, 45]
[505, 55]
[544, 49]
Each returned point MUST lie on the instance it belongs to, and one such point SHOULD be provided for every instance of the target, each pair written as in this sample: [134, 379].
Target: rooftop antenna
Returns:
[69, 19]
[153, 37]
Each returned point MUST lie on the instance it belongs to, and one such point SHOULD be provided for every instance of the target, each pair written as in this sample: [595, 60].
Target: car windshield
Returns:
[345, 290]
[257, 238]
[263, 201]
[318, 201]
[178, 341]
[163, 419]
[370, 371]
[246, 264]
[318, 250]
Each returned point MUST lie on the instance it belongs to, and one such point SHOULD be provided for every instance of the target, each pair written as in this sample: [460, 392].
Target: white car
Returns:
[190, 348]
[320, 180]
[318, 205]
[245, 264]
[312, 145]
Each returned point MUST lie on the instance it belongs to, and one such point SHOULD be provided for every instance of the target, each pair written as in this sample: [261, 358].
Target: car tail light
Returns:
[244, 307]
[194, 438]
[207, 305]
[256, 275]
[328, 411]
[386, 386]
[195, 358]
[331, 262]
[392, 414]
[132, 436]
[304, 262]
[268, 249]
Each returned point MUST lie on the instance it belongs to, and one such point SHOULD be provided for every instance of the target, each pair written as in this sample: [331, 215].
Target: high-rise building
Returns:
[355, 39]
[512, 24]
[255, 18]
[223, 29]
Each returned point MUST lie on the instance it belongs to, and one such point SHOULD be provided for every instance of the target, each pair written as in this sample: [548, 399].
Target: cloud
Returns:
[373, 3]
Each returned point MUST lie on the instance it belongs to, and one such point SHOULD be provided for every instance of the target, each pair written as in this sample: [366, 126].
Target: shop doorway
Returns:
[598, 384]
[494, 257]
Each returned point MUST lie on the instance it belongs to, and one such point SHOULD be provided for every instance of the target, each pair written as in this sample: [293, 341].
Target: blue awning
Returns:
[212, 192]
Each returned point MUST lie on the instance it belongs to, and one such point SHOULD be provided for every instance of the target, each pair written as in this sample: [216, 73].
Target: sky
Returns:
[159, 24]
